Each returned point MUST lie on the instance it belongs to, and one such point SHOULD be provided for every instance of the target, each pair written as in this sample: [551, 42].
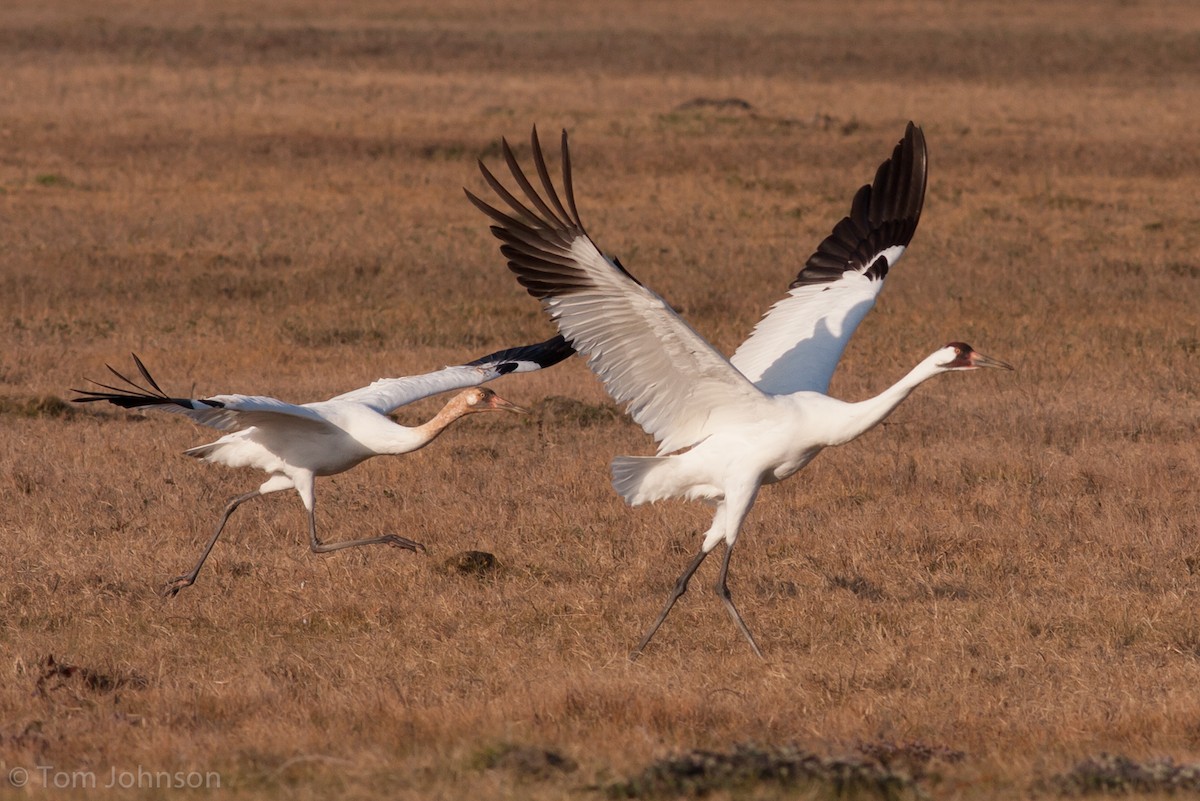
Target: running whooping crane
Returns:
[724, 426]
[296, 443]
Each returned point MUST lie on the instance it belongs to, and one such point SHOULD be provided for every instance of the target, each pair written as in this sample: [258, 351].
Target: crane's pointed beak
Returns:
[499, 404]
[979, 360]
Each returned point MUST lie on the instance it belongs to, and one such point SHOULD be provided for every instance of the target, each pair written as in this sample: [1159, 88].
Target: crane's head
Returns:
[482, 399]
[961, 356]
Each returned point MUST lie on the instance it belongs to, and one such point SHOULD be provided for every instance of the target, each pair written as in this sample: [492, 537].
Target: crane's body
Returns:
[346, 435]
[769, 444]
[725, 427]
[769, 441]
[296, 443]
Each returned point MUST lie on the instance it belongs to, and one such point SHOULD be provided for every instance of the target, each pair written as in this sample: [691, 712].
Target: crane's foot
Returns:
[172, 587]
[401, 542]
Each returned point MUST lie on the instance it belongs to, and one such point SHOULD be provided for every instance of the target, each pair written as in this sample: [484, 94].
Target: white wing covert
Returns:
[388, 394]
[237, 412]
[797, 344]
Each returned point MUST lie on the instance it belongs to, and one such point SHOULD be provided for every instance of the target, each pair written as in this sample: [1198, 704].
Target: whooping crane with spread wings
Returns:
[724, 426]
[297, 443]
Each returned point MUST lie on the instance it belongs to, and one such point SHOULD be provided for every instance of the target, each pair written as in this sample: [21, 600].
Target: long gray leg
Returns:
[387, 539]
[680, 588]
[172, 587]
[723, 590]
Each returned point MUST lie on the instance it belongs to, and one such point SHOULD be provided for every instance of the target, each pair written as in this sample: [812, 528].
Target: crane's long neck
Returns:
[864, 415]
[409, 439]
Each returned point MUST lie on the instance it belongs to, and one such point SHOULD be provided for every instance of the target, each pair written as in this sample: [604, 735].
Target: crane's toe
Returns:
[172, 587]
[402, 542]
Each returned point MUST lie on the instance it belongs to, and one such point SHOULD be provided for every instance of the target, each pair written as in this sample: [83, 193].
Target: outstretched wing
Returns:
[224, 412]
[798, 343]
[388, 394]
[672, 380]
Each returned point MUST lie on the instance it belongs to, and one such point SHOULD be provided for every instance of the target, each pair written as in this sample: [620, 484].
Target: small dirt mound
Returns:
[471, 563]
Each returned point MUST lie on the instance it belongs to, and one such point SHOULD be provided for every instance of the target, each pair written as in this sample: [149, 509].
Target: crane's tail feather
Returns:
[642, 479]
[203, 451]
[646, 479]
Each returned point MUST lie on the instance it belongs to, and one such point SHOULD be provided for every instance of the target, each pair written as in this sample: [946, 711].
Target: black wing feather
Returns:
[544, 354]
[134, 395]
[883, 214]
[538, 247]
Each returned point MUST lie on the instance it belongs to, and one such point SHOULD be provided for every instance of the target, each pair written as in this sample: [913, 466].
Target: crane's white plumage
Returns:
[778, 362]
[237, 412]
[724, 427]
[797, 344]
[295, 443]
[388, 394]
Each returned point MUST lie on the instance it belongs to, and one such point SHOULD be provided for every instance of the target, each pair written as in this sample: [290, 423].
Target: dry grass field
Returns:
[996, 585]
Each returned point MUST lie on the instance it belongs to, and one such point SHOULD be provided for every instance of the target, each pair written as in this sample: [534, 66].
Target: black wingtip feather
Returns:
[544, 354]
[883, 214]
[539, 162]
[568, 186]
[537, 241]
[146, 374]
[135, 395]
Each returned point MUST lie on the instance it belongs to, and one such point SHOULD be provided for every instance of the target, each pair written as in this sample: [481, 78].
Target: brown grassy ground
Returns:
[269, 201]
